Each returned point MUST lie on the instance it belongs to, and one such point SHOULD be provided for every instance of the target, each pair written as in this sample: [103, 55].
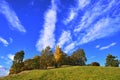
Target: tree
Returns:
[17, 63]
[79, 57]
[57, 56]
[112, 61]
[46, 58]
[95, 64]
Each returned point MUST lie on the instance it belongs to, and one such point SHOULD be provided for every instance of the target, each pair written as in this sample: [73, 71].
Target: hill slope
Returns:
[69, 73]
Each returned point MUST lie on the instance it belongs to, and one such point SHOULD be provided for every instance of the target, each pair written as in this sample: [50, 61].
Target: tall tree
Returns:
[112, 61]
[17, 63]
[57, 56]
[46, 58]
[79, 57]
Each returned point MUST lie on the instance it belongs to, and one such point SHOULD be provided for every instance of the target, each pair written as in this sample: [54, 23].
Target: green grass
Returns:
[69, 73]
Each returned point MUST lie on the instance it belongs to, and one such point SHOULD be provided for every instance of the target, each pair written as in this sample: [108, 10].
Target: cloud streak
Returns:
[108, 46]
[11, 16]
[97, 21]
[4, 42]
[73, 12]
[11, 57]
[64, 38]
[47, 34]
[3, 71]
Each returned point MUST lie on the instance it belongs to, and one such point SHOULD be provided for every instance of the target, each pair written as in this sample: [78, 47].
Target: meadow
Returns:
[69, 73]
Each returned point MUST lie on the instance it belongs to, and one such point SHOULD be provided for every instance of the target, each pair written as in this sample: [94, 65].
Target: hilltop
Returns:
[69, 73]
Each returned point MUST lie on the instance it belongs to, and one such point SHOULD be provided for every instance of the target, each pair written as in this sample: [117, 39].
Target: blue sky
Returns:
[31, 25]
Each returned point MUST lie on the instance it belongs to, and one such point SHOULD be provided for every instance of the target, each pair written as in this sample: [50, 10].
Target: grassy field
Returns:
[69, 73]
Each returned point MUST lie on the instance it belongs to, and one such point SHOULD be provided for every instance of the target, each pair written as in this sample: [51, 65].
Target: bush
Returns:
[95, 64]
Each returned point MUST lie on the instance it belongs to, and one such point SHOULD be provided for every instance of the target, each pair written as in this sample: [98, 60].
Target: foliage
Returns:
[17, 63]
[78, 57]
[112, 61]
[95, 64]
[69, 73]
[57, 56]
[46, 58]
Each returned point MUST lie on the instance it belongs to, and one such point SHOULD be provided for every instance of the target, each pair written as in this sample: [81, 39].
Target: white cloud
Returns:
[11, 16]
[92, 15]
[3, 71]
[98, 46]
[47, 34]
[5, 42]
[71, 16]
[104, 27]
[108, 46]
[64, 38]
[74, 11]
[11, 56]
[83, 3]
[70, 47]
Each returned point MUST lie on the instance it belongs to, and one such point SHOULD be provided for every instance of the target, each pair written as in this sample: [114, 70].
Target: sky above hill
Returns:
[31, 25]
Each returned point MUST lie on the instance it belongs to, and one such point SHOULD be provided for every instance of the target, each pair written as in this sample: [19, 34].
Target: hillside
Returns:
[69, 73]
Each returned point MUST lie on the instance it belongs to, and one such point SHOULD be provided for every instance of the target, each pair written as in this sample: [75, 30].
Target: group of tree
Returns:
[47, 59]
[50, 59]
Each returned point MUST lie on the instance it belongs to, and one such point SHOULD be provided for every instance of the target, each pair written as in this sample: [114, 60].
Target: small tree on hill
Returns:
[95, 64]
[112, 61]
[79, 57]
[46, 58]
[17, 63]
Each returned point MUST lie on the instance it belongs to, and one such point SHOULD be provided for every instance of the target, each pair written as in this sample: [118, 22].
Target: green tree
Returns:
[78, 57]
[17, 63]
[46, 58]
[112, 61]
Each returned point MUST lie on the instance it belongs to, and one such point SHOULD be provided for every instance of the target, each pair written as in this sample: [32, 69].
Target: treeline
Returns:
[50, 59]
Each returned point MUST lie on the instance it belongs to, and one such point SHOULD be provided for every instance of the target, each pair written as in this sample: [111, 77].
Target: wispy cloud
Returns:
[98, 46]
[10, 40]
[104, 27]
[70, 47]
[3, 71]
[108, 46]
[47, 34]
[74, 10]
[64, 38]
[93, 14]
[83, 3]
[98, 21]
[71, 16]
[11, 56]
[11, 16]
[5, 42]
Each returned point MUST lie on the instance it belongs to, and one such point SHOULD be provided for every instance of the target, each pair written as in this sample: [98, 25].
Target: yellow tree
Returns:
[57, 56]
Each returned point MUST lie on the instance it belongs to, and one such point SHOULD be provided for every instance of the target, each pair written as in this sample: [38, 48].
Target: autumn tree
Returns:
[78, 57]
[57, 56]
[46, 58]
[112, 61]
[17, 63]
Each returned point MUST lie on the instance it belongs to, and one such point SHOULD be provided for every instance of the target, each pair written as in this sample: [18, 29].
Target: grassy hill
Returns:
[69, 73]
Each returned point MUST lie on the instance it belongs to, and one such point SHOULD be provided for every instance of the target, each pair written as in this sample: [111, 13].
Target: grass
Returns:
[69, 73]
